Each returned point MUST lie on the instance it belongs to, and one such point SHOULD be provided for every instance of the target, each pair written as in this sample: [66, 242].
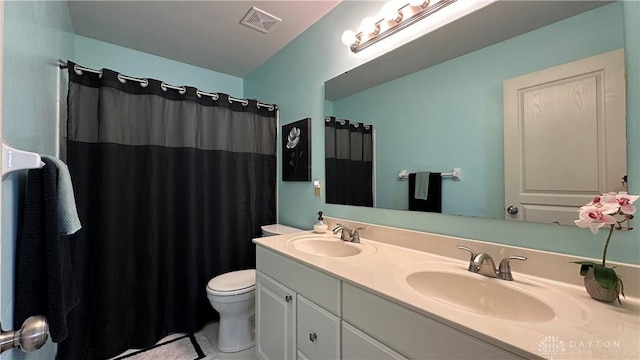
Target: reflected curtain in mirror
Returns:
[349, 153]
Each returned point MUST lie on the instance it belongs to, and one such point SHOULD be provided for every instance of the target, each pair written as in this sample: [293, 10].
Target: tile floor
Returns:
[207, 338]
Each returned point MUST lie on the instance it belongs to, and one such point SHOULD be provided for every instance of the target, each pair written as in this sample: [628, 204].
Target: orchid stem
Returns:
[606, 244]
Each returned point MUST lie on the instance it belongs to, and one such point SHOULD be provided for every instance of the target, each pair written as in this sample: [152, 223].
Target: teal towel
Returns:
[69, 222]
[421, 190]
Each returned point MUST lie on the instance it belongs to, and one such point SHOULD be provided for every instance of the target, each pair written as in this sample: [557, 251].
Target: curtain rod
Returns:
[144, 82]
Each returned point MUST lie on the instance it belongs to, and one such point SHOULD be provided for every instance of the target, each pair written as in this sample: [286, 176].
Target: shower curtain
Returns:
[348, 162]
[171, 186]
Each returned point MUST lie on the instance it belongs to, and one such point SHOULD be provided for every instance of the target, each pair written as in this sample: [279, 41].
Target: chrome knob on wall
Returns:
[31, 336]
[512, 210]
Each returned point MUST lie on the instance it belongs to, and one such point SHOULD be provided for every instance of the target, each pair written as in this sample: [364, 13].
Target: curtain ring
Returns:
[244, 102]
[163, 86]
[79, 70]
[214, 96]
[121, 78]
[355, 125]
[144, 83]
[259, 105]
[342, 122]
[182, 90]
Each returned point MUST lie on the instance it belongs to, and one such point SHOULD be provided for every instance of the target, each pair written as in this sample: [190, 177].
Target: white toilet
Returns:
[232, 295]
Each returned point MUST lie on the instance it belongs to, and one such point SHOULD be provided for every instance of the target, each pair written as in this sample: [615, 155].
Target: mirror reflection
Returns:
[451, 115]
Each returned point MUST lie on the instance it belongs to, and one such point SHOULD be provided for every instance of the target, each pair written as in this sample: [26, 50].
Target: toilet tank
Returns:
[278, 229]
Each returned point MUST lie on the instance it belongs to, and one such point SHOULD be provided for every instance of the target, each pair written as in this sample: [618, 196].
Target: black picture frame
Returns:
[296, 151]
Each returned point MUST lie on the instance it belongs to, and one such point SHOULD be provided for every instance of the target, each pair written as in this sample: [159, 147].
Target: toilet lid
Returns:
[233, 281]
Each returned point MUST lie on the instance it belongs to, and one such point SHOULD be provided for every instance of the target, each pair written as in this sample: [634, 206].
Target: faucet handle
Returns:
[345, 234]
[473, 255]
[355, 237]
[504, 270]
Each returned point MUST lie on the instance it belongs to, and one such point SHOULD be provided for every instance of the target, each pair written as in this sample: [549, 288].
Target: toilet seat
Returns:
[232, 283]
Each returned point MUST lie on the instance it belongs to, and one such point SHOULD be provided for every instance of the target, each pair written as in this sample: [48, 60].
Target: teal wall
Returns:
[294, 79]
[450, 115]
[98, 54]
[36, 34]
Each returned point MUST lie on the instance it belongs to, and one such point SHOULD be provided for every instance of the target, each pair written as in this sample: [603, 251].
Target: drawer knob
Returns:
[313, 337]
[288, 298]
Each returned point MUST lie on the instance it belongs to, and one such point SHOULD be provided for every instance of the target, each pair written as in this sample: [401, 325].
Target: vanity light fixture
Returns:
[394, 16]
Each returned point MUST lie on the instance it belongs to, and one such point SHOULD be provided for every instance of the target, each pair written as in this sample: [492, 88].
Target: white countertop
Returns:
[583, 328]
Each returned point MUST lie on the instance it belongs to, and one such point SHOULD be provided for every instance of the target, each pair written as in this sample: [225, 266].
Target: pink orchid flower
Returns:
[625, 201]
[595, 217]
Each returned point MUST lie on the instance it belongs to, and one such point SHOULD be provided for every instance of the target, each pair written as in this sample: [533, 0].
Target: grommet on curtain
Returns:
[244, 102]
[259, 105]
[213, 96]
[79, 70]
[181, 89]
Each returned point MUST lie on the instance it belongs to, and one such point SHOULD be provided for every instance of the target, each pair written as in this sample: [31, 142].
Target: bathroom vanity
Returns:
[411, 297]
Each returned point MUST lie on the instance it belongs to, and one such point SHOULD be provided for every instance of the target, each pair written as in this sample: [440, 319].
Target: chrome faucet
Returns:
[483, 264]
[348, 234]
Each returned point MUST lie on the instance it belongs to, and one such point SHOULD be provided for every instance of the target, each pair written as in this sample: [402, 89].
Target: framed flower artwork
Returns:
[296, 151]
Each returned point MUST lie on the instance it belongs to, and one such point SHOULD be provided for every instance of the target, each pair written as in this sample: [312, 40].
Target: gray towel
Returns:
[421, 190]
[69, 222]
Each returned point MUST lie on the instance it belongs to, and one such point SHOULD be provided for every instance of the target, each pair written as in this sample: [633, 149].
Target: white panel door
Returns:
[564, 138]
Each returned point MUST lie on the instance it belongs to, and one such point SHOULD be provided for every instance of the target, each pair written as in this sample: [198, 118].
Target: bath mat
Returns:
[181, 348]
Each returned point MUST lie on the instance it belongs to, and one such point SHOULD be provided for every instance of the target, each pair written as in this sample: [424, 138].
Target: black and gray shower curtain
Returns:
[171, 186]
[348, 162]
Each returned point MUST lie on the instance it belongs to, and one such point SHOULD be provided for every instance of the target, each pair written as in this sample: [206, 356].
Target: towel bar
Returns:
[14, 160]
[455, 174]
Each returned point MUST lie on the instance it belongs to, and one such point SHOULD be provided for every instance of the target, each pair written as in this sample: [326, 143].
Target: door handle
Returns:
[512, 210]
[31, 336]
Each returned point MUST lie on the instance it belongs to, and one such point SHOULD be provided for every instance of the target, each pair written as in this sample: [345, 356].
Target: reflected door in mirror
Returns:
[564, 137]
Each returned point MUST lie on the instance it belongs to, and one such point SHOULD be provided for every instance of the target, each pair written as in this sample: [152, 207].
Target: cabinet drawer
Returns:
[315, 285]
[318, 331]
[420, 337]
[357, 345]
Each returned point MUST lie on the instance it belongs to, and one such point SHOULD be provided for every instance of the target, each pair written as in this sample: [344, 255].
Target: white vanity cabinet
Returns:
[297, 310]
[306, 314]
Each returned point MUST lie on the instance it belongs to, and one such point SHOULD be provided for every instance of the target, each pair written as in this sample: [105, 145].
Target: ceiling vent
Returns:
[259, 20]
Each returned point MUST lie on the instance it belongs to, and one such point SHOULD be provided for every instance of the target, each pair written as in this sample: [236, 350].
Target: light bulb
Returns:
[349, 37]
[368, 25]
[390, 11]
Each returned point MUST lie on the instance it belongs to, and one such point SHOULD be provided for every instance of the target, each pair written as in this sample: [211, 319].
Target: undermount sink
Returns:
[481, 294]
[329, 246]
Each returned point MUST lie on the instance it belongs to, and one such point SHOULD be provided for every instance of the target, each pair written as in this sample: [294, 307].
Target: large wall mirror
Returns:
[436, 103]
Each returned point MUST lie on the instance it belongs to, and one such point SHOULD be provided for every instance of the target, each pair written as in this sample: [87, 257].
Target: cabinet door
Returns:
[318, 331]
[357, 345]
[275, 319]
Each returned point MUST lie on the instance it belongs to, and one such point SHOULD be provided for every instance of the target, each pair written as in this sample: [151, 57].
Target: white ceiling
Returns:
[207, 34]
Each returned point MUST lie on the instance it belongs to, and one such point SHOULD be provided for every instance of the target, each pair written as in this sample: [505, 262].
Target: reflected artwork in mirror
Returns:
[450, 112]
